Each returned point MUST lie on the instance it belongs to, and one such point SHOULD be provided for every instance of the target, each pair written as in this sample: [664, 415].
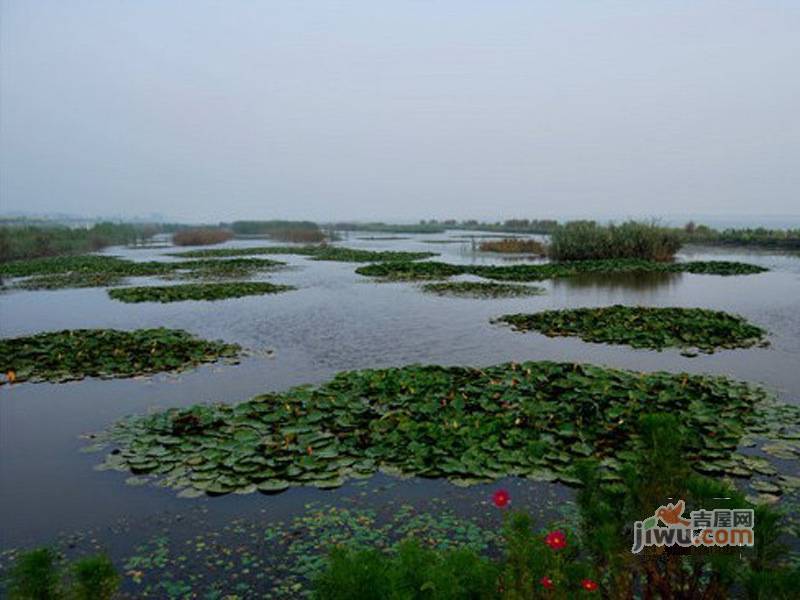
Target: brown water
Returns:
[335, 321]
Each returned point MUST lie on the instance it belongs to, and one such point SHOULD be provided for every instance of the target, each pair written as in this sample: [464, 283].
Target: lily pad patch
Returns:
[644, 327]
[77, 353]
[196, 291]
[465, 424]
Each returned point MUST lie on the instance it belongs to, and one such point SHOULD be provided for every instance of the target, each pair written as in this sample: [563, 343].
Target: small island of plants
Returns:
[74, 354]
[481, 289]
[315, 252]
[196, 291]
[644, 327]
[407, 270]
[468, 425]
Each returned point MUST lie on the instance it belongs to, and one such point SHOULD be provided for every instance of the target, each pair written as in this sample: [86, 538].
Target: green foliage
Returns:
[35, 576]
[527, 272]
[89, 265]
[75, 279]
[38, 575]
[320, 252]
[468, 425]
[23, 242]
[94, 578]
[196, 291]
[476, 289]
[411, 572]
[643, 327]
[77, 353]
[586, 240]
[274, 227]
[788, 239]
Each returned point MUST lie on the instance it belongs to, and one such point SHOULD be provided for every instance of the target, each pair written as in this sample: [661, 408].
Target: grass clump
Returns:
[586, 240]
[411, 571]
[196, 291]
[39, 575]
[478, 289]
[644, 327]
[464, 424]
[319, 252]
[437, 270]
[513, 246]
[77, 353]
[201, 236]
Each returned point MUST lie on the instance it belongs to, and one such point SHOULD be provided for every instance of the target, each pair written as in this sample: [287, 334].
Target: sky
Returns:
[399, 110]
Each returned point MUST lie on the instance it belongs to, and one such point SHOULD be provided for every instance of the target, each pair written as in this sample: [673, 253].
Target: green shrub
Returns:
[586, 240]
[35, 576]
[410, 572]
[94, 578]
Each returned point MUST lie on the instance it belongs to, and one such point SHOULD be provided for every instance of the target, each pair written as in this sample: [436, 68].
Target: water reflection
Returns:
[639, 282]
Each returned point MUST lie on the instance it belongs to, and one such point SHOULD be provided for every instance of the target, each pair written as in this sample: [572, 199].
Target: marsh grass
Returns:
[513, 246]
[201, 236]
[587, 240]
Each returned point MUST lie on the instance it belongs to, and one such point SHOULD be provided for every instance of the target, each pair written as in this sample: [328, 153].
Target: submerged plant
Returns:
[77, 353]
[196, 291]
[644, 327]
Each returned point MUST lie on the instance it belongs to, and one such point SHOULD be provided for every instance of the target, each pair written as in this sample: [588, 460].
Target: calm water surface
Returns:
[335, 321]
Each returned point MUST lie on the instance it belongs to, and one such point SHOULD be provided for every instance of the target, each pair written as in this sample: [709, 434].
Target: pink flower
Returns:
[556, 540]
[501, 498]
[546, 582]
[589, 585]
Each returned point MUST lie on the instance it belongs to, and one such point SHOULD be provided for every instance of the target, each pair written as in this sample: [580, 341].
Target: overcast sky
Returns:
[400, 110]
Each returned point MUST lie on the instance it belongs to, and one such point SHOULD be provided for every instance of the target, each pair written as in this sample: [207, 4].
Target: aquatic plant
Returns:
[320, 252]
[77, 353]
[644, 327]
[210, 268]
[466, 424]
[527, 272]
[39, 575]
[478, 289]
[513, 245]
[201, 236]
[72, 279]
[90, 263]
[196, 291]
[587, 240]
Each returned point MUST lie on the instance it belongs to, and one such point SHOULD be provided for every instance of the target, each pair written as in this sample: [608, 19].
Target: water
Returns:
[335, 321]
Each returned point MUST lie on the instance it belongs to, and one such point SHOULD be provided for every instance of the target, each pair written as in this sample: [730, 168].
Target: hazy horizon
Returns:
[216, 111]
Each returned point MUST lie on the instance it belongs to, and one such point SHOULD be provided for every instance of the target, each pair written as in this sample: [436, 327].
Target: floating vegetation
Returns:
[643, 327]
[78, 279]
[438, 270]
[89, 263]
[513, 246]
[196, 291]
[482, 289]
[225, 268]
[77, 353]
[321, 252]
[466, 424]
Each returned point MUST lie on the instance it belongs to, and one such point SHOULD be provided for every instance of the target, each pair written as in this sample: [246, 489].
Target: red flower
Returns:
[546, 582]
[501, 498]
[556, 540]
[589, 585]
